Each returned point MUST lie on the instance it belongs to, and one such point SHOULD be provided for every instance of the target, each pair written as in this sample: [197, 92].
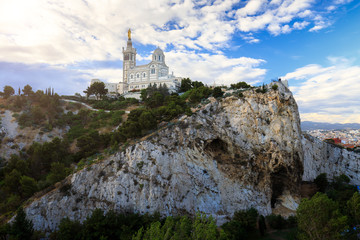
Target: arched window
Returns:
[159, 58]
[153, 71]
[144, 75]
[131, 76]
[137, 75]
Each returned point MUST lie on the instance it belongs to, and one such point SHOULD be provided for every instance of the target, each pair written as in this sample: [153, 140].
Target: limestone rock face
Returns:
[232, 154]
[321, 157]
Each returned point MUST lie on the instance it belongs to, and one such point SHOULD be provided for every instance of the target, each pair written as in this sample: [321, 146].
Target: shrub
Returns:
[320, 218]
[217, 92]
[274, 87]
[242, 223]
[239, 85]
[321, 182]
[22, 228]
[276, 221]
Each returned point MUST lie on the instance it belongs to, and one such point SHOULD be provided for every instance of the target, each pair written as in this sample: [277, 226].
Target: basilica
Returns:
[139, 77]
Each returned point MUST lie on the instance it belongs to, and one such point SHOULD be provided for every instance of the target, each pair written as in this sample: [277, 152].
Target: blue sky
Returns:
[313, 44]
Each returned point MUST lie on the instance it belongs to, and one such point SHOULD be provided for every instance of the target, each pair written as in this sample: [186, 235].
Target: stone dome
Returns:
[158, 51]
[158, 55]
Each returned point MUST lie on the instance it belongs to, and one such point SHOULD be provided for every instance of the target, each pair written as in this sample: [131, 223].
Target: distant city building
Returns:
[140, 77]
[344, 138]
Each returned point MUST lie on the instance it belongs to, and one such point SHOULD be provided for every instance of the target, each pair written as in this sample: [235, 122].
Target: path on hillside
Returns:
[87, 106]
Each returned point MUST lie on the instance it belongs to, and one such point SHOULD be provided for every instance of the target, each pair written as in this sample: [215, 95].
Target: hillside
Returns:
[231, 154]
[173, 155]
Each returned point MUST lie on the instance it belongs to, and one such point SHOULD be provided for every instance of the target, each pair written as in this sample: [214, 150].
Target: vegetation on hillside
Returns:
[334, 211]
[89, 133]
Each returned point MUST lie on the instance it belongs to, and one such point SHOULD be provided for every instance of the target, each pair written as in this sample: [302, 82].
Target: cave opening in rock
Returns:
[278, 182]
[216, 145]
[218, 149]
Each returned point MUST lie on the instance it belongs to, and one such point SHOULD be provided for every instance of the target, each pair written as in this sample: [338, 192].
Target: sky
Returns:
[315, 45]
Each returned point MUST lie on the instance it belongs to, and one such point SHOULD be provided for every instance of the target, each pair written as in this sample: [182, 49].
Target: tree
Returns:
[147, 120]
[12, 182]
[27, 90]
[156, 100]
[197, 84]
[57, 173]
[217, 92]
[37, 115]
[22, 228]
[183, 228]
[353, 206]
[242, 223]
[321, 182]
[69, 230]
[185, 85]
[240, 85]
[8, 91]
[197, 94]
[319, 218]
[28, 186]
[98, 89]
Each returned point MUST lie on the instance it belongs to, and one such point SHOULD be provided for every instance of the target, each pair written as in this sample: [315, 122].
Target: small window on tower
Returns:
[159, 58]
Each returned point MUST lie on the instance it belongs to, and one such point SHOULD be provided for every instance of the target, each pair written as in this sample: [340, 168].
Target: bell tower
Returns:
[129, 58]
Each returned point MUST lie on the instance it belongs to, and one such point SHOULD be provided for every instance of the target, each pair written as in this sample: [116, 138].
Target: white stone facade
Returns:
[140, 77]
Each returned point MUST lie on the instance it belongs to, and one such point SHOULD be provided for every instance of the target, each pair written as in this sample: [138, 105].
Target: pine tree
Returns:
[22, 228]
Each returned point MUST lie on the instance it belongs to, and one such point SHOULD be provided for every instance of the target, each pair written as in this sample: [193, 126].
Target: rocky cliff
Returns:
[321, 157]
[234, 153]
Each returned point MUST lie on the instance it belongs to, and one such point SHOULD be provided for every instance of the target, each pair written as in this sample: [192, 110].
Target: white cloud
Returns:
[106, 74]
[215, 68]
[65, 32]
[300, 25]
[327, 93]
[275, 17]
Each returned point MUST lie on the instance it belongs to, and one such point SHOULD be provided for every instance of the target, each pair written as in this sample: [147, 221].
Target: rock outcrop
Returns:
[232, 154]
[13, 137]
[321, 157]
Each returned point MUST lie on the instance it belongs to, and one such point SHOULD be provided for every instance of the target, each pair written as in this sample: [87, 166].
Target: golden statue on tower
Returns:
[129, 34]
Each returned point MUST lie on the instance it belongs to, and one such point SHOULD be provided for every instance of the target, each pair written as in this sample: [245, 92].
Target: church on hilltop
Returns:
[140, 77]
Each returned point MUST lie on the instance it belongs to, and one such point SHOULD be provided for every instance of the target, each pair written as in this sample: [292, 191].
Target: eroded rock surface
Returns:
[232, 154]
[321, 157]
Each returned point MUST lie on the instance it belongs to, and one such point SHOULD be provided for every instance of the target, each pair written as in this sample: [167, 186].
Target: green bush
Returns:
[242, 223]
[276, 221]
[217, 92]
[197, 94]
[240, 85]
[320, 218]
[274, 87]
[321, 182]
